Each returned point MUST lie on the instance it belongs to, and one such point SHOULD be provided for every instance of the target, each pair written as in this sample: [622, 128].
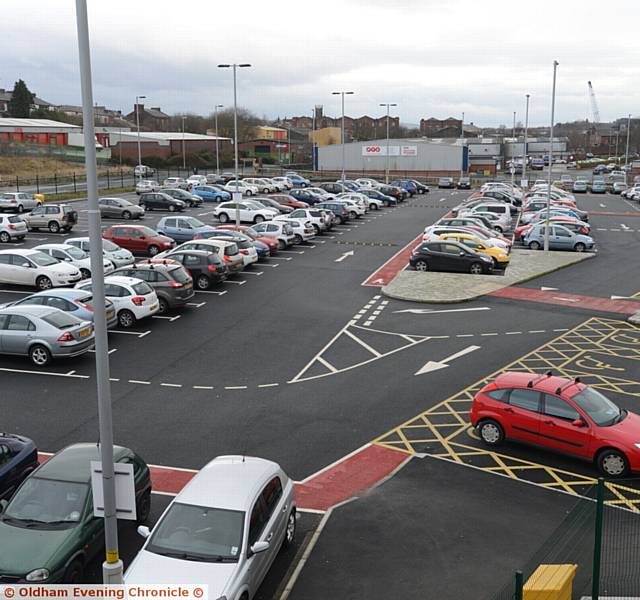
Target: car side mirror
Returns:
[142, 237]
[143, 531]
[26, 265]
[259, 547]
[67, 259]
[3, 505]
[578, 423]
[462, 253]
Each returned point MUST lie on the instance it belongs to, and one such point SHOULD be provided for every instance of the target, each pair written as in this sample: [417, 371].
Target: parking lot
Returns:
[295, 360]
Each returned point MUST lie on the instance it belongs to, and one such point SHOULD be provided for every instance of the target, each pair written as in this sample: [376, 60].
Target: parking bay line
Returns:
[196, 304]
[291, 251]
[280, 257]
[140, 335]
[235, 282]
[258, 273]
[111, 350]
[71, 374]
[167, 318]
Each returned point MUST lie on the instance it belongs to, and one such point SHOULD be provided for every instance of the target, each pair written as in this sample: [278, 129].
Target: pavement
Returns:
[448, 288]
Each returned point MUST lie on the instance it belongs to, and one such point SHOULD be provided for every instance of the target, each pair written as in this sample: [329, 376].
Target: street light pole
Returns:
[112, 567]
[626, 152]
[548, 211]
[235, 130]
[462, 145]
[215, 112]
[513, 153]
[138, 98]
[343, 142]
[184, 154]
[388, 105]
[524, 147]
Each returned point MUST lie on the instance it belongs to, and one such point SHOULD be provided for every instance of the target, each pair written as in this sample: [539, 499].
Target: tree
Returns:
[21, 100]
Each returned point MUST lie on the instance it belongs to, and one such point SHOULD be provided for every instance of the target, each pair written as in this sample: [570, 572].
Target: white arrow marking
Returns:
[624, 226]
[427, 311]
[548, 289]
[345, 255]
[566, 299]
[433, 365]
[374, 281]
[603, 205]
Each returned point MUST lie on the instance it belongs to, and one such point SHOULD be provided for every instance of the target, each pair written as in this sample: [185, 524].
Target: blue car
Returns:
[377, 195]
[598, 187]
[405, 184]
[75, 302]
[210, 193]
[306, 196]
[350, 185]
[182, 229]
[298, 182]
[18, 458]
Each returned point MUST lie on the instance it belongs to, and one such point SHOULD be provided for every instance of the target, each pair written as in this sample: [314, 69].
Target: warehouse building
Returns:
[420, 156]
[36, 131]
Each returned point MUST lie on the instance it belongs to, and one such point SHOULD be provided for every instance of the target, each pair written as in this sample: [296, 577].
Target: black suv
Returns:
[160, 200]
[206, 268]
[171, 283]
[187, 197]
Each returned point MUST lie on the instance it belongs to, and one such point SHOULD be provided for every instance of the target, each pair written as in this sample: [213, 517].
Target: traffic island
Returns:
[448, 288]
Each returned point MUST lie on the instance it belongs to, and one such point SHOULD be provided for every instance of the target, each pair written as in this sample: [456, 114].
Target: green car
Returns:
[47, 531]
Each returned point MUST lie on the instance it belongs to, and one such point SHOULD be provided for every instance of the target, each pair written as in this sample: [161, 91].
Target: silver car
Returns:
[43, 333]
[120, 257]
[119, 208]
[12, 227]
[17, 201]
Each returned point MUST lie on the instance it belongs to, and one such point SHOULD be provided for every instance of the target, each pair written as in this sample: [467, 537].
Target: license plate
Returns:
[110, 314]
[153, 306]
[188, 286]
[84, 332]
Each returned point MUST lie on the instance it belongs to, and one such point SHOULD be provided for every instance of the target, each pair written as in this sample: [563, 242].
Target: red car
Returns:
[289, 201]
[138, 239]
[271, 242]
[562, 414]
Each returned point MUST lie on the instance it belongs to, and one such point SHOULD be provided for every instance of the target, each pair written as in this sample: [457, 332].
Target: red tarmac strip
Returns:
[393, 266]
[624, 307]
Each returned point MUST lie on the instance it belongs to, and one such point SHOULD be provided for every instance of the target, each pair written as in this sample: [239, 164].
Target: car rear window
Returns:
[231, 250]
[179, 274]
[142, 288]
[15, 219]
[60, 320]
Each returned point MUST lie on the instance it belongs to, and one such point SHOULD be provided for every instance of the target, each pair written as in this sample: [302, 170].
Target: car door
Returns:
[23, 270]
[277, 511]
[246, 214]
[169, 227]
[17, 334]
[36, 217]
[561, 238]
[185, 230]
[122, 237]
[451, 258]
[557, 429]
[257, 563]
[10, 474]
[522, 415]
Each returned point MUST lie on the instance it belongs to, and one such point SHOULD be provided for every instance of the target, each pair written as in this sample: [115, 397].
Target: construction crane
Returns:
[594, 105]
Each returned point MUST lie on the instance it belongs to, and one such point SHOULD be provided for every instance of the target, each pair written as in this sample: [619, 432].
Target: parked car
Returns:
[74, 256]
[48, 533]
[227, 250]
[297, 180]
[195, 180]
[288, 200]
[177, 182]
[78, 303]
[302, 231]
[43, 333]
[393, 191]
[501, 209]
[181, 229]
[257, 203]
[251, 232]
[339, 209]
[445, 182]
[279, 231]
[143, 171]
[34, 268]
[264, 185]
[598, 187]
[285, 182]
[498, 254]
[421, 188]
[54, 217]
[132, 299]
[12, 228]
[449, 256]
[378, 195]
[309, 216]
[119, 208]
[433, 233]
[117, 255]
[226, 212]
[464, 183]
[560, 238]
[189, 198]
[405, 184]
[241, 186]
[309, 196]
[18, 458]
[368, 183]
[563, 415]
[204, 267]
[138, 238]
[210, 193]
[580, 187]
[171, 283]
[572, 224]
[147, 185]
[272, 203]
[17, 202]
[161, 201]
[599, 169]
[246, 244]
[334, 187]
[215, 178]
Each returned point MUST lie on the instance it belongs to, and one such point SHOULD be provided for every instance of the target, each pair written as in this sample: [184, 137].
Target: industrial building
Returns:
[36, 131]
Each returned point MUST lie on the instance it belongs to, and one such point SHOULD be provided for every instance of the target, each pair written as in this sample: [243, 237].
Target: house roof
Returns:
[5, 96]
[156, 113]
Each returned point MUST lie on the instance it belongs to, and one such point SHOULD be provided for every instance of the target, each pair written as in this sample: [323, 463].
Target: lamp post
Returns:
[235, 67]
[112, 567]
[184, 153]
[138, 98]
[215, 112]
[626, 152]
[462, 145]
[513, 153]
[343, 94]
[553, 108]
[524, 146]
[388, 105]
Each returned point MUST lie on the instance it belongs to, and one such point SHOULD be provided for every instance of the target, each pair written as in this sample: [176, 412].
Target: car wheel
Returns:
[265, 191]
[298, 239]
[534, 245]
[20, 208]
[249, 193]
[421, 265]
[172, 208]
[353, 214]
[85, 273]
[43, 283]
[497, 228]
[316, 229]
[281, 245]
[143, 508]
[223, 217]
[290, 531]
[613, 463]
[258, 219]
[54, 227]
[39, 355]
[163, 306]
[491, 432]
[126, 319]
[386, 203]
[475, 268]
[126, 215]
[4, 237]
[579, 247]
[203, 282]
[74, 572]
[153, 250]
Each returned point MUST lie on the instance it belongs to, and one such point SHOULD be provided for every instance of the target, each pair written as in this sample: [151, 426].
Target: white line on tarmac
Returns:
[242, 282]
[235, 387]
[258, 273]
[14, 292]
[211, 292]
[166, 318]
[111, 351]
[172, 385]
[268, 385]
[280, 257]
[202, 387]
[196, 304]
[272, 266]
[291, 251]
[139, 382]
[71, 374]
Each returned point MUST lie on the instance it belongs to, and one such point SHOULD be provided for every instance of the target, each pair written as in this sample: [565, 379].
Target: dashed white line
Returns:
[242, 282]
[196, 304]
[488, 334]
[464, 335]
[139, 382]
[513, 332]
[258, 273]
[235, 387]
[537, 331]
[202, 387]
[171, 385]
[268, 385]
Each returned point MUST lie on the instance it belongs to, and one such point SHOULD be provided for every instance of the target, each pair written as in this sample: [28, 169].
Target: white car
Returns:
[433, 233]
[177, 182]
[226, 211]
[286, 183]
[147, 185]
[362, 200]
[241, 186]
[143, 171]
[224, 246]
[278, 230]
[74, 256]
[118, 256]
[197, 180]
[367, 182]
[303, 231]
[355, 209]
[264, 185]
[309, 215]
[34, 268]
[501, 209]
[229, 522]
[18, 201]
[279, 186]
[12, 227]
[133, 299]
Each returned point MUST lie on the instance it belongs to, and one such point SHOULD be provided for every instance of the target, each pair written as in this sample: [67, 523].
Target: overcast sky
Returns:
[433, 57]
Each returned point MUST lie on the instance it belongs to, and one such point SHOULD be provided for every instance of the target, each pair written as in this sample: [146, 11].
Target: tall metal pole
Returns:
[138, 98]
[184, 154]
[553, 108]
[313, 140]
[386, 173]
[343, 140]
[626, 152]
[235, 140]
[524, 146]
[462, 145]
[215, 111]
[513, 153]
[112, 567]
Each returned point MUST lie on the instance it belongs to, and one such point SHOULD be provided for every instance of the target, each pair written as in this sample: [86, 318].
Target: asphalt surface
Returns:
[244, 370]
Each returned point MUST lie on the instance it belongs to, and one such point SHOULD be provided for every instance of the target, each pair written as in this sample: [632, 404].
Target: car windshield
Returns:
[76, 253]
[47, 501]
[60, 320]
[109, 246]
[198, 533]
[42, 260]
[598, 407]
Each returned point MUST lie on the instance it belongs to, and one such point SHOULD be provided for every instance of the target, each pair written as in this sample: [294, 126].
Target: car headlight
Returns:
[38, 575]
[637, 446]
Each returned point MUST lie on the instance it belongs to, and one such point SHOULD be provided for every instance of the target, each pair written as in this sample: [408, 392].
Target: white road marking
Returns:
[258, 273]
[242, 282]
[202, 387]
[268, 385]
[111, 351]
[139, 382]
[196, 304]
[137, 333]
[114, 379]
[548, 289]
[463, 335]
[291, 251]
[235, 387]
[172, 385]
[432, 365]
[427, 311]
[14, 292]
[344, 256]
[280, 257]
[562, 329]
[166, 318]
[566, 299]
[366, 346]
[71, 374]
[211, 292]
[537, 331]
[513, 332]
[488, 334]
[272, 266]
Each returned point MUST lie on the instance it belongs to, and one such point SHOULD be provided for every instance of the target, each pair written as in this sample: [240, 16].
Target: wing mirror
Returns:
[259, 547]
[3, 505]
[578, 423]
[462, 253]
[144, 531]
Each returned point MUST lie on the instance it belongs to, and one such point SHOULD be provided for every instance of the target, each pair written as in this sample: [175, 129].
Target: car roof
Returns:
[29, 310]
[72, 462]
[211, 242]
[230, 482]
[21, 251]
[63, 293]
[121, 279]
[540, 382]
[58, 246]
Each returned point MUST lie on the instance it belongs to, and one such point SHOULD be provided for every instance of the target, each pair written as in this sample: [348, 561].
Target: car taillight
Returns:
[66, 337]
[83, 305]
[245, 252]
[227, 258]
[138, 300]
[212, 268]
[175, 284]
[12, 226]
[14, 201]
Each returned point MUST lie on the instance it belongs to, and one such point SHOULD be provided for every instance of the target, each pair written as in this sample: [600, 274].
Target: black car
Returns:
[268, 202]
[160, 201]
[464, 183]
[395, 192]
[18, 458]
[187, 197]
[449, 256]
[337, 208]
[333, 187]
[421, 187]
[378, 195]
[305, 196]
[206, 268]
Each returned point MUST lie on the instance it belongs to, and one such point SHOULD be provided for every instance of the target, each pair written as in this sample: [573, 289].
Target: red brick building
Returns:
[36, 131]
